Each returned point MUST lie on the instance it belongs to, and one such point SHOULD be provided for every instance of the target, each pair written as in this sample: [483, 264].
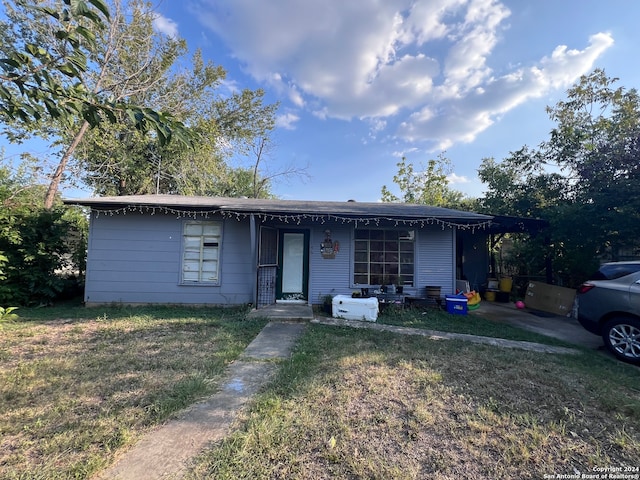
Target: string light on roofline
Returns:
[296, 218]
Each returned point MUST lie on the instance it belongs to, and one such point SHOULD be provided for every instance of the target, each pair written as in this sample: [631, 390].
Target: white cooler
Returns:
[355, 308]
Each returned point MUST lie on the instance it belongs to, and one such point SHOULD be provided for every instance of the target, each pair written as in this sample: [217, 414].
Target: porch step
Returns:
[284, 311]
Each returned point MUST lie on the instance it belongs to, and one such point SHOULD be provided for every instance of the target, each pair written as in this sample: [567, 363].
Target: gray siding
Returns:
[330, 276]
[136, 258]
[434, 261]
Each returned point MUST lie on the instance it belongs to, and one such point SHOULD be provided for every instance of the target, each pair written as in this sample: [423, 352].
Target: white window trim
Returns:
[200, 282]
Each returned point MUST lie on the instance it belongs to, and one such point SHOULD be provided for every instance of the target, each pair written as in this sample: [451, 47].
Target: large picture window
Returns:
[383, 257]
[201, 252]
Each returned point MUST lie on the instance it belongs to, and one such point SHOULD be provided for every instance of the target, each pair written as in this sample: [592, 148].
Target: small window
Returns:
[201, 252]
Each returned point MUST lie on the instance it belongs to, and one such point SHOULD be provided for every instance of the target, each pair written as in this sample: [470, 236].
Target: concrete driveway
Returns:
[563, 328]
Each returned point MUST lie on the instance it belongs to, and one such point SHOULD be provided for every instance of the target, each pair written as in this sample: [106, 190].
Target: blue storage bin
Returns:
[456, 305]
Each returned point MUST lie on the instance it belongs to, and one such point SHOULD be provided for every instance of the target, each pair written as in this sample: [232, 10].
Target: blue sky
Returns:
[363, 83]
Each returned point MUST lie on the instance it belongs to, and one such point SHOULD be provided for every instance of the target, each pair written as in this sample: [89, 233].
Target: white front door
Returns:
[294, 266]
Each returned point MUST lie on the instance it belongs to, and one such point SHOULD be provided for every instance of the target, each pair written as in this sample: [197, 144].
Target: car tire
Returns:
[621, 336]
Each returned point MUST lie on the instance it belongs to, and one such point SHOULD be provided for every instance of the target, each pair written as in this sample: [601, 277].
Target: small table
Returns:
[386, 299]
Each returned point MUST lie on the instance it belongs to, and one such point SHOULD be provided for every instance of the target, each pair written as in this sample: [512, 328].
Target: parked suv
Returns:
[608, 304]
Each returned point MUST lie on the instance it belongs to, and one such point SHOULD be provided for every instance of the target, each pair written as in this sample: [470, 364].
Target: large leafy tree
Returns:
[584, 180]
[596, 142]
[133, 62]
[38, 78]
[428, 185]
[520, 186]
[49, 50]
[119, 161]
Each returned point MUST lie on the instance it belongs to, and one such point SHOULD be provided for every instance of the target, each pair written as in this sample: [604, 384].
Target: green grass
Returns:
[78, 386]
[359, 404]
[76, 390]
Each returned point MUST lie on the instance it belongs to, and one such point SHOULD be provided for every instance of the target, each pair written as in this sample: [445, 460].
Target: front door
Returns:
[293, 263]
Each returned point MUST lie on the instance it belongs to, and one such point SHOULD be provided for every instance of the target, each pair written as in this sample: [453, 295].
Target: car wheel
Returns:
[622, 337]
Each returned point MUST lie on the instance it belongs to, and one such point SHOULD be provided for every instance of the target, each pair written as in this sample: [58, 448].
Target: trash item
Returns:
[462, 286]
[520, 304]
[550, 298]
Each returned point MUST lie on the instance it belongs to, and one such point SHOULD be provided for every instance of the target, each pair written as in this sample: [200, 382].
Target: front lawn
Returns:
[74, 390]
[362, 404]
[77, 386]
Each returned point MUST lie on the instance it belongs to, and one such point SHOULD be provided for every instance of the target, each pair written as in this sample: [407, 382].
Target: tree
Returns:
[37, 79]
[129, 163]
[596, 142]
[428, 187]
[118, 160]
[48, 50]
[262, 176]
[43, 249]
[520, 186]
[584, 180]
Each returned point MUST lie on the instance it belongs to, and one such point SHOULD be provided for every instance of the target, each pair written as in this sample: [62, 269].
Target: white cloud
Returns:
[296, 97]
[287, 121]
[461, 119]
[422, 67]
[378, 125]
[457, 179]
[404, 153]
[472, 42]
[165, 25]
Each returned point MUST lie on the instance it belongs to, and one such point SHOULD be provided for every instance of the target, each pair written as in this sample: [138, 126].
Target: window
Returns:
[383, 256]
[201, 252]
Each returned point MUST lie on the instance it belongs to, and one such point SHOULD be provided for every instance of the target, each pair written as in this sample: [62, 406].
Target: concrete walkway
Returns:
[166, 452]
[436, 335]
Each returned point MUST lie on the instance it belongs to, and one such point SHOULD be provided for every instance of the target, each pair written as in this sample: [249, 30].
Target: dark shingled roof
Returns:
[403, 211]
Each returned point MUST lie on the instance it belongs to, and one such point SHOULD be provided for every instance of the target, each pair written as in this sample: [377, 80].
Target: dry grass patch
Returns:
[74, 392]
[369, 405]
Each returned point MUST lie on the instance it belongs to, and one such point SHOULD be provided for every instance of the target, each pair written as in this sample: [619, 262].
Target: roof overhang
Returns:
[287, 210]
[297, 210]
[507, 224]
